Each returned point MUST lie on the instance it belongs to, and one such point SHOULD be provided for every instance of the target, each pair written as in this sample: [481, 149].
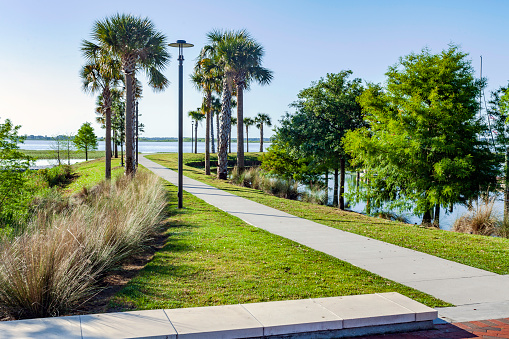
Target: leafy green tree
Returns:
[498, 115]
[248, 122]
[85, 139]
[260, 120]
[422, 147]
[326, 111]
[13, 192]
[138, 45]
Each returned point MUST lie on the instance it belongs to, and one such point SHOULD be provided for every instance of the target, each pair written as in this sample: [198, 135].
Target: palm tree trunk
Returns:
[224, 131]
[129, 160]
[342, 185]
[211, 127]
[217, 128]
[247, 138]
[196, 137]
[336, 186]
[230, 141]
[208, 130]
[240, 126]
[107, 104]
[261, 137]
[115, 146]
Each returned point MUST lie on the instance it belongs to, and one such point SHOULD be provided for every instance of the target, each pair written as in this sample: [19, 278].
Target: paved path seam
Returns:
[450, 281]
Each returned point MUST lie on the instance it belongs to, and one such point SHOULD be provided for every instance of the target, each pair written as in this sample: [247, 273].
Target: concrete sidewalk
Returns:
[480, 294]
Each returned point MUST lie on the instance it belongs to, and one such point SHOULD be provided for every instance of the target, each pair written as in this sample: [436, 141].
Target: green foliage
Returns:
[310, 139]
[422, 145]
[278, 161]
[13, 193]
[86, 139]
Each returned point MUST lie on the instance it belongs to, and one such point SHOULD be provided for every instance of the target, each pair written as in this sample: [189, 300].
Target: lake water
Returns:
[145, 146]
[446, 219]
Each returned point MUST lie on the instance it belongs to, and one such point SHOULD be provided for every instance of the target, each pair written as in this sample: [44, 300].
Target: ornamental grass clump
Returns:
[481, 220]
[54, 266]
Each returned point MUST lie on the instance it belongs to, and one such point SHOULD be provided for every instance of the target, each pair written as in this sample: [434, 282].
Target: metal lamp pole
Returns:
[181, 44]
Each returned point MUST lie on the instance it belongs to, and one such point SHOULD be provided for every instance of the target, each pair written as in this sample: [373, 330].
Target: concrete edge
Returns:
[294, 318]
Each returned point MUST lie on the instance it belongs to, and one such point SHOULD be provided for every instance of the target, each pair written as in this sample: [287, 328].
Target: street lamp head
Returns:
[180, 44]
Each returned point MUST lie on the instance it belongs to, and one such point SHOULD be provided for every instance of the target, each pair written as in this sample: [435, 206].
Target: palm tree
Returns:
[206, 77]
[197, 116]
[101, 74]
[234, 123]
[248, 122]
[216, 111]
[137, 45]
[239, 56]
[260, 120]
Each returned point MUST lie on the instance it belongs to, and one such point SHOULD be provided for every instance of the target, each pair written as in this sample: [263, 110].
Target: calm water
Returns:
[446, 219]
[145, 146]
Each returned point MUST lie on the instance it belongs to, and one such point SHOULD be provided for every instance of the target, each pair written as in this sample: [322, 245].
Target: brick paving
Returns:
[488, 329]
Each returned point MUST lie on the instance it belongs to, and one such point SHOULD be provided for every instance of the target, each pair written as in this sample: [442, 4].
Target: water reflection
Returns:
[446, 218]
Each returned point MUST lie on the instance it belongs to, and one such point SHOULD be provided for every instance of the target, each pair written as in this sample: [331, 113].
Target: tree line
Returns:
[418, 138]
[122, 45]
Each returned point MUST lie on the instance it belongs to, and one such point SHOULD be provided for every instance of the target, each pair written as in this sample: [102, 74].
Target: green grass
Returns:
[50, 154]
[92, 172]
[213, 258]
[488, 253]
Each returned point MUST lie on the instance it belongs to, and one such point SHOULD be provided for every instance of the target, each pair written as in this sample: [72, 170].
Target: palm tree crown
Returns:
[240, 58]
[260, 120]
[137, 45]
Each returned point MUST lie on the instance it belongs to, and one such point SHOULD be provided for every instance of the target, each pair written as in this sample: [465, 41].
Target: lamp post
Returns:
[192, 133]
[181, 44]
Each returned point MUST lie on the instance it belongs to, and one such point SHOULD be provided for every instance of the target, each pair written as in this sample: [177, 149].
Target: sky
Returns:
[40, 55]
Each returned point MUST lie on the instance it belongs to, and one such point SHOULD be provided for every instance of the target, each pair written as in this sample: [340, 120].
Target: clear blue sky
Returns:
[40, 49]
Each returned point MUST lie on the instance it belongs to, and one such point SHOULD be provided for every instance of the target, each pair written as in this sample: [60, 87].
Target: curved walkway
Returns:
[478, 294]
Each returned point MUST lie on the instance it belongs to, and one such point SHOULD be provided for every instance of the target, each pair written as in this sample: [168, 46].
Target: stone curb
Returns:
[319, 318]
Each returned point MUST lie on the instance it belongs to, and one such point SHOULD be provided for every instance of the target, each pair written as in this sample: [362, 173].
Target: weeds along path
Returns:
[450, 281]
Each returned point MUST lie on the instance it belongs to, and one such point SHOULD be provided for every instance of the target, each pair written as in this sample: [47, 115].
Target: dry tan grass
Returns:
[54, 265]
[481, 220]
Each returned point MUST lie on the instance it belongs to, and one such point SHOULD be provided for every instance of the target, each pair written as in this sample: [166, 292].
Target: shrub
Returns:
[54, 266]
[258, 179]
[480, 220]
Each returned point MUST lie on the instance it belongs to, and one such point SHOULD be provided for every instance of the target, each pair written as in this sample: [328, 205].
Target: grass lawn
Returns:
[92, 172]
[488, 253]
[50, 154]
[213, 258]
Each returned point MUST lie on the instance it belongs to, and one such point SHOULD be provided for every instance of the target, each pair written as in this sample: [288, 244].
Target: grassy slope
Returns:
[92, 172]
[483, 252]
[213, 258]
[50, 154]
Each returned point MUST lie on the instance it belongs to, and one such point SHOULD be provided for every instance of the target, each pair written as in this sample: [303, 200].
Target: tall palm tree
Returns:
[215, 111]
[197, 116]
[248, 122]
[137, 45]
[239, 56]
[101, 74]
[234, 123]
[207, 77]
[260, 120]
